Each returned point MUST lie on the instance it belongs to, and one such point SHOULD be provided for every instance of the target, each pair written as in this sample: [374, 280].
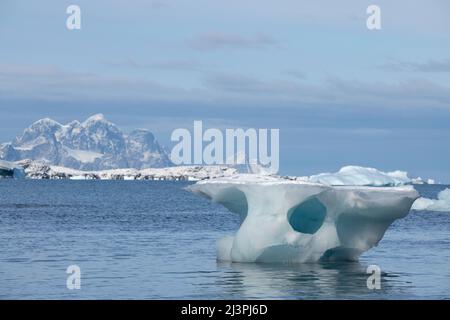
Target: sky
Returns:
[340, 94]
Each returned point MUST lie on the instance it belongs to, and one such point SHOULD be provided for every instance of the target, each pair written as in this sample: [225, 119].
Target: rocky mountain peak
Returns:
[94, 144]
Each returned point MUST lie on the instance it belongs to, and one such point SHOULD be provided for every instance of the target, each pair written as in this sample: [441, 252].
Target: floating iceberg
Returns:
[442, 203]
[294, 221]
[11, 170]
[361, 176]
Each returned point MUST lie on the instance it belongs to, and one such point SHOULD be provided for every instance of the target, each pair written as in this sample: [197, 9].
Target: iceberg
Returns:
[361, 176]
[11, 170]
[306, 220]
[419, 180]
[442, 203]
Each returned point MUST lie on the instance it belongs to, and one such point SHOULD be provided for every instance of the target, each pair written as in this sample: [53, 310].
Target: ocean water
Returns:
[154, 240]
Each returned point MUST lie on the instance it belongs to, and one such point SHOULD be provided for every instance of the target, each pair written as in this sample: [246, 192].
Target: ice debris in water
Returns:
[442, 203]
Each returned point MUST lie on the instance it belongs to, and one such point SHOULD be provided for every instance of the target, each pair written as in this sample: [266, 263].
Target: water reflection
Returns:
[303, 281]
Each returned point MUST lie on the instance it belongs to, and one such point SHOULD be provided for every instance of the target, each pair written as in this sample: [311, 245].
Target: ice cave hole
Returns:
[308, 216]
[234, 200]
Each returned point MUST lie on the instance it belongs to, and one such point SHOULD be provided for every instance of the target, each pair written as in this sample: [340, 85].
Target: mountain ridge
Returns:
[94, 144]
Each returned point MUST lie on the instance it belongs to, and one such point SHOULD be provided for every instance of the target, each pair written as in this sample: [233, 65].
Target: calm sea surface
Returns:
[153, 240]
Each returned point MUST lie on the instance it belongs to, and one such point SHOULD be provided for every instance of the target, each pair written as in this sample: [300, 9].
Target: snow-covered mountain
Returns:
[95, 144]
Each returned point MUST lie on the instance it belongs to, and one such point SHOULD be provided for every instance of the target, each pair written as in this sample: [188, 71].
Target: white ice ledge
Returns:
[294, 221]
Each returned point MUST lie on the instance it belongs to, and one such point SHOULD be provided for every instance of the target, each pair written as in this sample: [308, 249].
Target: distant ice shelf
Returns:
[41, 170]
[296, 221]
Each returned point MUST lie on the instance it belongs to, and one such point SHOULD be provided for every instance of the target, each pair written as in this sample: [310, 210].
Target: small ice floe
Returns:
[442, 203]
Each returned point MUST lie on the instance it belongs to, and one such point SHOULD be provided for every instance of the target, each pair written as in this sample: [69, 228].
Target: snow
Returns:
[95, 144]
[361, 176]
[249, 178]
[99, 117]
[41, 170]
[83, 155]
[442, 203]
[245, 165]
[78, 177]
[46, 122]
[295, 221]
[419, 180]
[6, 165]
[31, 144]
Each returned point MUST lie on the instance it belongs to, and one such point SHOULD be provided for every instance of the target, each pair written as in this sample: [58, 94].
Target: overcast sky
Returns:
[339, 93]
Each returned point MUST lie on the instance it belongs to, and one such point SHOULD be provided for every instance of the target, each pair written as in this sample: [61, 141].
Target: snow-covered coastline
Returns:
[349, 175]
[97, 149]
[40, 170]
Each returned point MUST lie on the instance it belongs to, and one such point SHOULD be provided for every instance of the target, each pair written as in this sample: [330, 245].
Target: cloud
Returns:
[437, 66]
[19, 70]
[217, 88]
[236, 83]
[246, 85]
[52, 83]
[176, 65]
[297, 74]
[159, 4]
[216, 40]
[407, 92]
[333, 91]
